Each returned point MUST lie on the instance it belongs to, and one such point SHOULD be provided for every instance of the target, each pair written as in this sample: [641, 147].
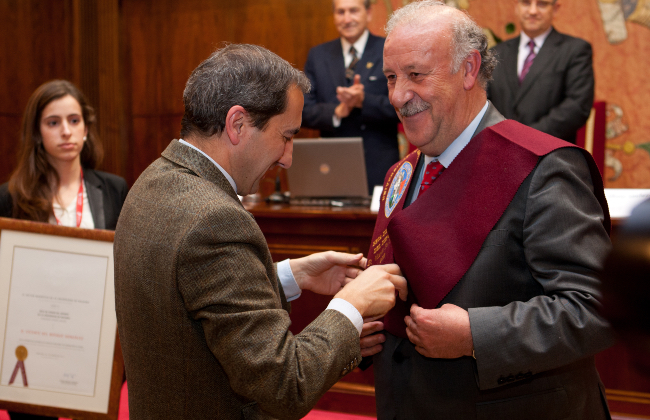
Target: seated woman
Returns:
[55, 180]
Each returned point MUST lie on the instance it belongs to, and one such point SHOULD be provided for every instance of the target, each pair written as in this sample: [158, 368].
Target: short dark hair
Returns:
[238, 74]
[366, 4]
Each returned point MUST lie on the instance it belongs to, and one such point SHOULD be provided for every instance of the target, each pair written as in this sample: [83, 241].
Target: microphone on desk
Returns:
[277, 196]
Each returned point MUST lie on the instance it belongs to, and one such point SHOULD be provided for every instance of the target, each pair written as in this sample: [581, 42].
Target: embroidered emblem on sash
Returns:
[398, 187]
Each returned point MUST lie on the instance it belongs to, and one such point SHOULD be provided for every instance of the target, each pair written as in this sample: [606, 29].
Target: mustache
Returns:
[413, 107]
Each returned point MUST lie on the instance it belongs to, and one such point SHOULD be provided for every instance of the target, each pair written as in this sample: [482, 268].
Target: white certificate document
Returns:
[59, 294]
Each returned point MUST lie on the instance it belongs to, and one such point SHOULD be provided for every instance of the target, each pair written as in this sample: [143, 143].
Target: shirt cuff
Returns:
[347, 309]
[336, 121]
[288, 282]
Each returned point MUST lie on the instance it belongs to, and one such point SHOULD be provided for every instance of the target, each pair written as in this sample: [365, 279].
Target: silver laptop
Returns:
[328, 168]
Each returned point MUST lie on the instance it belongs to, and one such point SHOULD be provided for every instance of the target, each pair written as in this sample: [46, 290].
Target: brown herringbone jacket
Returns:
[202, 321]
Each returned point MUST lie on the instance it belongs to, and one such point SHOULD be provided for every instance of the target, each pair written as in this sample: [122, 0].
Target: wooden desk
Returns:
[293, 231]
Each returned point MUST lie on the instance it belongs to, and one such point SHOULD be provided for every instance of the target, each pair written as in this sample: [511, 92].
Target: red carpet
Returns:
[313, 415]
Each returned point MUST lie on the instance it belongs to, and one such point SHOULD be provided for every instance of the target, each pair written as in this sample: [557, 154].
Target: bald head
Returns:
[465, 35]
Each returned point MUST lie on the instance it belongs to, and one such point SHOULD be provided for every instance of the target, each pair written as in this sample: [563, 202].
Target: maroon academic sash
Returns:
[436, 239]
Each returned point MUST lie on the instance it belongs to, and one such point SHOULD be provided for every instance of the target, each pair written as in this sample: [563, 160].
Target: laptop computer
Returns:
[328, 171]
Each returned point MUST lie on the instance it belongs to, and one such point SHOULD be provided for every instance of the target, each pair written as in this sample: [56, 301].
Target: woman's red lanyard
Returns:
[80, 202]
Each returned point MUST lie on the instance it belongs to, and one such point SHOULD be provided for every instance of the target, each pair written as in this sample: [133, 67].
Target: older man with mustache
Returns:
[500, 230]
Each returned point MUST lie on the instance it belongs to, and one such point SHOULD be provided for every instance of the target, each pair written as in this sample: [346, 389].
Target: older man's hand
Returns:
[352, 96]
[440, 333]
[370, 342]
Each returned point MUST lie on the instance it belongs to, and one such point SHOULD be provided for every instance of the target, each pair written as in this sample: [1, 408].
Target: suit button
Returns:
[344, 372]
[510, 378]
[363, 126]
[528, 374]
[501, 380]
[399, 357]
[519, 376]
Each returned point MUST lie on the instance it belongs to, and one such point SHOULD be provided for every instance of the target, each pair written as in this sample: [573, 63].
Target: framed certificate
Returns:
[60, 355]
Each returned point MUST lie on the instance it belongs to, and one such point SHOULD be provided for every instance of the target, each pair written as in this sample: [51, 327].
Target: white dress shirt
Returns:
[360, 46]
[524, 50]
[68, 216]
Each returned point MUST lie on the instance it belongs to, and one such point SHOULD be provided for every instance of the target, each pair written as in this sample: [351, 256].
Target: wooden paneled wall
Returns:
[166, 40]
[77, 40]
[132, 59]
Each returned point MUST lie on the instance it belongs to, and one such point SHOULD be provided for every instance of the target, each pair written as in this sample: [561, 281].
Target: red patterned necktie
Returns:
[431, 172]
[528, 62]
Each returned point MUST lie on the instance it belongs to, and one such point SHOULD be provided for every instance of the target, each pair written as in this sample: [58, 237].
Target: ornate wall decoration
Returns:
[616, 12]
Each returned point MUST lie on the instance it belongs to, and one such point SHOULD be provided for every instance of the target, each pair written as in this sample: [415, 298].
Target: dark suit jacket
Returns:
[106, 193]
[202, 320]
[556, 95]
[376, 121]
[532, 295]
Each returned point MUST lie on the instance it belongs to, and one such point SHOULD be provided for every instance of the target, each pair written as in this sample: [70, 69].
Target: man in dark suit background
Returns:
[349, 97]
[550, 89]
[201, 310]
[500, 230]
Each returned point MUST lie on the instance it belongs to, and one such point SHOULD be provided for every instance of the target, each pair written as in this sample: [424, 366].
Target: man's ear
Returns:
[235, 122]
[471, 67]
[556, 8]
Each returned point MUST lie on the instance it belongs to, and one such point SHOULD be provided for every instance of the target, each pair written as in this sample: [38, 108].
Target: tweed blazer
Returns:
[556, 95]
[532, 294]
[202, 320]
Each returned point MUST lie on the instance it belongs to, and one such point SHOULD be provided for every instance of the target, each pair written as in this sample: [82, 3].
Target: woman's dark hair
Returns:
[35, 182]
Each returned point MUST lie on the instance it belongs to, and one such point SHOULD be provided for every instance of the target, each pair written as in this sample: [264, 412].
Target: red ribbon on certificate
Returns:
[21, 355]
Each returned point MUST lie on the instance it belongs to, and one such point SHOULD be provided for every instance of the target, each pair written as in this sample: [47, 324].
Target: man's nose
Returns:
[400, 94]
[287, 157]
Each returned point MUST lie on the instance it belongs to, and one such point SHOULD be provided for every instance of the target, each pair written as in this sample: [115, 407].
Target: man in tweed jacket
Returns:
[202, 315]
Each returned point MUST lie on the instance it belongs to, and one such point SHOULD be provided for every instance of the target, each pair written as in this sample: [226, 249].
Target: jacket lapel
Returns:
[95, 198]
[369, 59]
[541, 62]
[336, 64]
[491, 117]
[510, 64]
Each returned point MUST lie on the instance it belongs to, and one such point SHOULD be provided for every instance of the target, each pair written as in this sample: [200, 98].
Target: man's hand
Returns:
[373, 291]
[349, 97]
[371, 344]
[342, 110]
[326, 272]
[441, 333]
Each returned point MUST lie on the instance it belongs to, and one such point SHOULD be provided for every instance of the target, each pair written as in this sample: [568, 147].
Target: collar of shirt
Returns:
[223, 171]
[453, 149]
[524, 50]
[360, 46]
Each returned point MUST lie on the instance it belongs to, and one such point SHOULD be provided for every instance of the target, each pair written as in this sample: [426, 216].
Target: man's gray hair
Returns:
[238, 74]
[467, 35]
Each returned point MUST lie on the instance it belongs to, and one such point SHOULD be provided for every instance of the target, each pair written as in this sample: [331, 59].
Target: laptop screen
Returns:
[328, 167]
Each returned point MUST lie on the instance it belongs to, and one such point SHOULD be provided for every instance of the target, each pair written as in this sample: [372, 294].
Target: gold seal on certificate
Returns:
[21, 355]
